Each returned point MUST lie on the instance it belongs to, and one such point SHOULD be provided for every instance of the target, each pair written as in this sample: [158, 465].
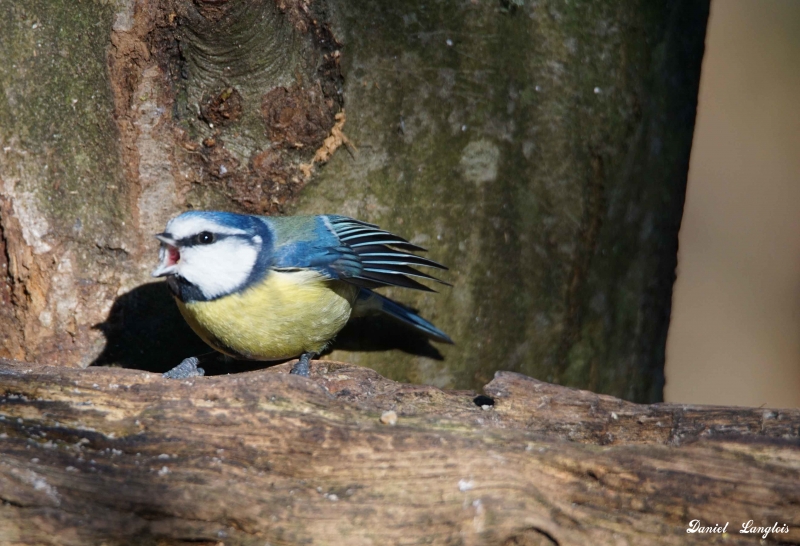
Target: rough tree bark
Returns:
[106, 456]
[539, 148]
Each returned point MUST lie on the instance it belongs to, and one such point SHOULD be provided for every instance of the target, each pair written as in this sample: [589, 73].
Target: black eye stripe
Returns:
[195, 240]
[192, 240]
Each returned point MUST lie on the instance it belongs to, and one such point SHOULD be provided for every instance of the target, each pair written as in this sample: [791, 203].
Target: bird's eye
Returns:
[204, 238]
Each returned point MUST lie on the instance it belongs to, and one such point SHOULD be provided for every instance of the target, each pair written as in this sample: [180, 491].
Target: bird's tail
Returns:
[368, 302]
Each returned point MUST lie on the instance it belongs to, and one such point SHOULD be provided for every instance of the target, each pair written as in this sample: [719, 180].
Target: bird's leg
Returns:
[303, 365]
[186, 369]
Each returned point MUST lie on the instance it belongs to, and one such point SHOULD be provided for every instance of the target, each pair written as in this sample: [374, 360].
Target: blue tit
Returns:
[274, 288]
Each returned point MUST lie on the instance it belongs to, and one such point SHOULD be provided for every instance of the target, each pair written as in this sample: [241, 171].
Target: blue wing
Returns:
[351, 250]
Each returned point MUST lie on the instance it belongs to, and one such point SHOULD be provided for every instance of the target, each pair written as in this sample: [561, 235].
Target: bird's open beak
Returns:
[169, 256]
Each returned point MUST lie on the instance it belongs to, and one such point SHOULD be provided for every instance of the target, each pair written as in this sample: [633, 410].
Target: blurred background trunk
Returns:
[736, 312]
[539, 149]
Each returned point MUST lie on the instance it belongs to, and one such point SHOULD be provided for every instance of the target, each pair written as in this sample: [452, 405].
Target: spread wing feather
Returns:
[372, 257]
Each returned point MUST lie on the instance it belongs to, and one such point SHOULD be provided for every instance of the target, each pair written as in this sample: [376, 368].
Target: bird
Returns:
[271, 288]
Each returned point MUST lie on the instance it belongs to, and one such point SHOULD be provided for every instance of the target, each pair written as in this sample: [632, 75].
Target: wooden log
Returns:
[116, 456]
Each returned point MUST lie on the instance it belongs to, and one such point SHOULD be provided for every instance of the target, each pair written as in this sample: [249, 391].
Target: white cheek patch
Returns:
[219, 268]
[185, 226]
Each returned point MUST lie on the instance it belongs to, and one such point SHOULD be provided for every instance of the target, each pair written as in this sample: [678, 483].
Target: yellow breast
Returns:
[287, 314]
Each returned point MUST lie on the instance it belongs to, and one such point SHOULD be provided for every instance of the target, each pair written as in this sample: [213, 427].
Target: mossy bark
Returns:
[67, 228]
[539, 149]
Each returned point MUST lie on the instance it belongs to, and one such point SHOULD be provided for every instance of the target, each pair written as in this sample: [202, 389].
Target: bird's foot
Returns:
[186, 369]
[302, 366]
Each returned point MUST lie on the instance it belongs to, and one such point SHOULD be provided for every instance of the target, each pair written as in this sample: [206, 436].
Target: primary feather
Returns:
[356, 252]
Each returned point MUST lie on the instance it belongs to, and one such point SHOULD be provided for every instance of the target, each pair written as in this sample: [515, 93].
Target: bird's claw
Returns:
[303, 366]
[186, 369]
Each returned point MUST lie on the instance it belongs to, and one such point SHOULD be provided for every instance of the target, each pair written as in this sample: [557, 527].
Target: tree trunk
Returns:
[538, 148]
[106, 456]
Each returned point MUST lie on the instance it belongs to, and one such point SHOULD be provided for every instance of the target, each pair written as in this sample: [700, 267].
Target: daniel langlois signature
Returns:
[748, 527]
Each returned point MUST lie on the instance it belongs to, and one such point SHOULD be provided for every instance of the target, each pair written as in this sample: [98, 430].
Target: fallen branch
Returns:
[125, 457]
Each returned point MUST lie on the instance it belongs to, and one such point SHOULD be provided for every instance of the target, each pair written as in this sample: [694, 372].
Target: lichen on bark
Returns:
[65, 204]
